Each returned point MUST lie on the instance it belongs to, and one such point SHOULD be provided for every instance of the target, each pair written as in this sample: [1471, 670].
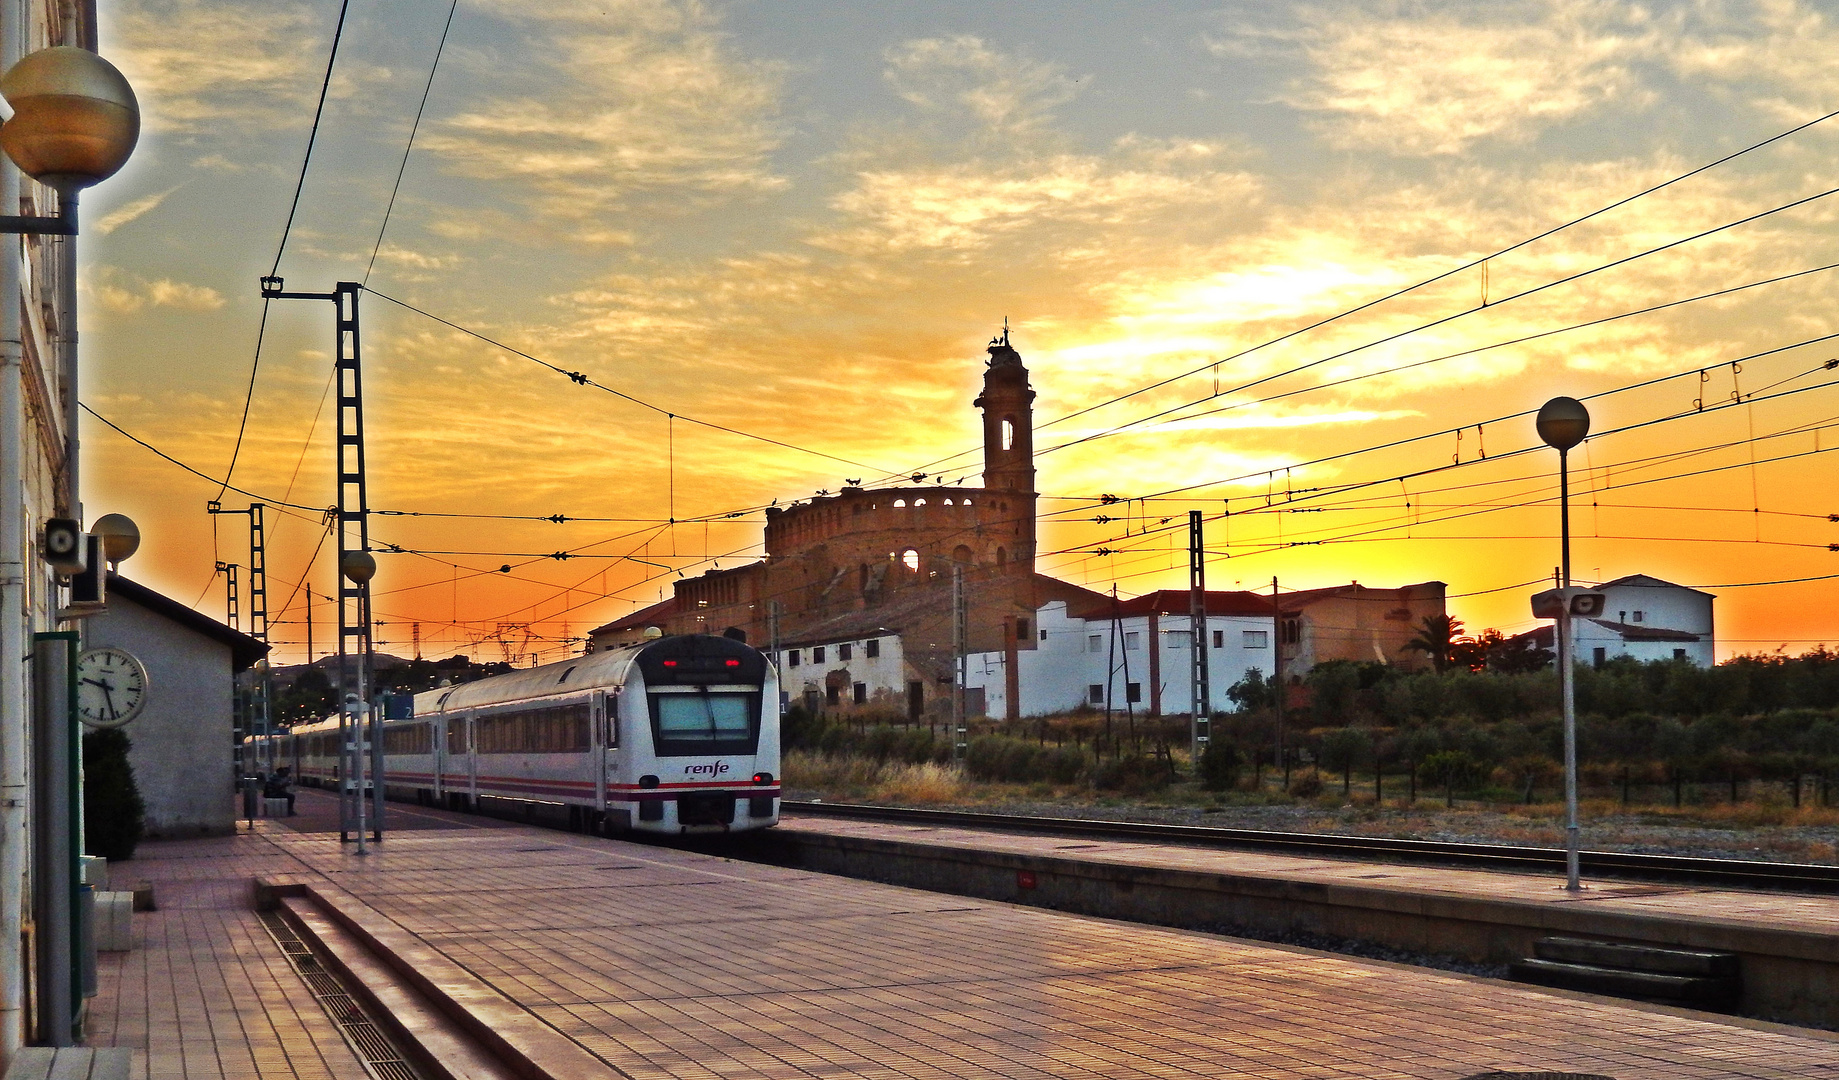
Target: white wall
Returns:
[182, 754]
[884, 676]
[1063, 667]
[1659, 607]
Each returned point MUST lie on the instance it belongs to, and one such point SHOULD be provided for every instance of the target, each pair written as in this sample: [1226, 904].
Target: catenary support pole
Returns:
[1200, 700]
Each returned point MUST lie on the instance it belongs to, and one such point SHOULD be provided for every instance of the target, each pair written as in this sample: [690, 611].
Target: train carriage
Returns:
[675, 735]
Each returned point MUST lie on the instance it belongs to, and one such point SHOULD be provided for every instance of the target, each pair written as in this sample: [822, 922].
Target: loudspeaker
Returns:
[63, 546]
[90, 584]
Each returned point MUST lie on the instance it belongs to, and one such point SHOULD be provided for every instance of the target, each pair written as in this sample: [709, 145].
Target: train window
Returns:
[705, 722]
[407, 739]
[456, 735]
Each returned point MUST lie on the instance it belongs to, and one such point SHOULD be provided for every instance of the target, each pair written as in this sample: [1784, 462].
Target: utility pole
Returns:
[1277, 676]
[228, 570]
[257, 596]
[959, 632]
[1202, 698]
[350, 522]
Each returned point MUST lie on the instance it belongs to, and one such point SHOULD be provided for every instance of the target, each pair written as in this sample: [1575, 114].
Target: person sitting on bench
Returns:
[280, 786]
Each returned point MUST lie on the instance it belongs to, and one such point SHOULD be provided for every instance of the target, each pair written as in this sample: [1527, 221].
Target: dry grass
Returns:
[862, 778]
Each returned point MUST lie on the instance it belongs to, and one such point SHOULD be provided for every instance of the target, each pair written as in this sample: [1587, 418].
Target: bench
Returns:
[274, 807]
[74, 1062]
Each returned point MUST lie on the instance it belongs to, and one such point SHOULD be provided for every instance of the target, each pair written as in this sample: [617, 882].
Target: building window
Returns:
[817, 654]
[1095, 693]
[1180, 639]
[1256, 639]
[843, 651]
[792, 658]
[1598, 655]
[1132, 640]
[1219, 639]
[832, 695]
[871, 648]
[1043, 635]
[1679, 654]
[861, 693]
[1292, 631]
[1008, 434]
[1021, 629]
[1095, 643]
[1133, 692]
[1638, 616]
[910, 559]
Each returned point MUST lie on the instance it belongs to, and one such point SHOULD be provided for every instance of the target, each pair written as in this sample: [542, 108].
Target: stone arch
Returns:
[963, 555]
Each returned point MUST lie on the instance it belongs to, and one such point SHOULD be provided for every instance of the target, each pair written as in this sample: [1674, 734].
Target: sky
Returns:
[1306, 267]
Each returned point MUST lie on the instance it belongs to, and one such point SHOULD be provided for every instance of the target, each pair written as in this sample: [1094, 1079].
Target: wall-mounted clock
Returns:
[111, 687]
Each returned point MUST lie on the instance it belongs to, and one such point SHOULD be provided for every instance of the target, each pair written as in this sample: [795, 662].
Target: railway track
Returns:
[1755, 874]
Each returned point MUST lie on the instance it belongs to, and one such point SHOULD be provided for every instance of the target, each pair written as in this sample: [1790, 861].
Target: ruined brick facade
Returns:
[880, 561]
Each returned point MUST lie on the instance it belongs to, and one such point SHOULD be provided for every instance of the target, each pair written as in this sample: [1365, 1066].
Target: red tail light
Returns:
[670, 663]
[734, 663]
[762, 778]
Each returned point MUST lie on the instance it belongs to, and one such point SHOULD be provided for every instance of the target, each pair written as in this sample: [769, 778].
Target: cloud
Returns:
[126, 294]
[646, 99]
[1004, 93]
[200, 66]
[120, 216]
[1421, 77]
[1432, 78]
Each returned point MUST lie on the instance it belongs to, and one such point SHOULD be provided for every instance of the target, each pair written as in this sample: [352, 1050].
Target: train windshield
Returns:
[705, 722]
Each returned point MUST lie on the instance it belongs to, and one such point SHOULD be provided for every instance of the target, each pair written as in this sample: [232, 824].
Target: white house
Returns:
[1136, 654]
[183, 743]
[1644, 618]
[1649, 619]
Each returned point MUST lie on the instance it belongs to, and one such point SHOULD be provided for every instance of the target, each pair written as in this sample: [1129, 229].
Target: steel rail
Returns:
[1750, 873]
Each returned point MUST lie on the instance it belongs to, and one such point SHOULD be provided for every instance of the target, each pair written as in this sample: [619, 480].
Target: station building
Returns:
[855, 599]
[1644, 618]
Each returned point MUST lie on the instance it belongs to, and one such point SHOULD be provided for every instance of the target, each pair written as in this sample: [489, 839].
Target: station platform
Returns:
[1788, 942]
[569, 956]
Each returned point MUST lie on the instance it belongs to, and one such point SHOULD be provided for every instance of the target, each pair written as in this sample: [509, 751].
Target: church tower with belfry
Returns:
[1007, 402]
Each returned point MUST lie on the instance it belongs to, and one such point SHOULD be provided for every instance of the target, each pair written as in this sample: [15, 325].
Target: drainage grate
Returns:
[373, 1048]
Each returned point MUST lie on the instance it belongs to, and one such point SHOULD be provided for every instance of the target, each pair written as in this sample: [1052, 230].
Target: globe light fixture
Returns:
[74, 118]
[120, 537]
[1563, 423]
[359, 566]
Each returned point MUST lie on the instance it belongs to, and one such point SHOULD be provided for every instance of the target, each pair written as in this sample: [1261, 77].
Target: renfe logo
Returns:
[716, 769]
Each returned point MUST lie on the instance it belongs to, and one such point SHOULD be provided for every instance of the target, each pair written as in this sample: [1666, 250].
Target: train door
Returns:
[472, 759]
[602, 742]
[438, 732]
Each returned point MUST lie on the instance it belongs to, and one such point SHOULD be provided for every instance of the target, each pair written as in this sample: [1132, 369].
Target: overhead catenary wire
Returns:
[413, 128]
[1214, 364]
[582, 379]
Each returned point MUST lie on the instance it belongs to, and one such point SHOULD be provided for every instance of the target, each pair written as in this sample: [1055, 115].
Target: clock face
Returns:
[111, 687]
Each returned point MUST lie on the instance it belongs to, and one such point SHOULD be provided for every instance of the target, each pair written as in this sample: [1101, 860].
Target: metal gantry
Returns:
[255, 598]
[358, 734]
[1197, 621]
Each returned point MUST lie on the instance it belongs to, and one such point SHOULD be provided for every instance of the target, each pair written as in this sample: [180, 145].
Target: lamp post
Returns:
[71, 121]
[1563, 422]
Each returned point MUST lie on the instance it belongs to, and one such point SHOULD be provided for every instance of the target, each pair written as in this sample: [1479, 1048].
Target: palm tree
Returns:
[1436, 635]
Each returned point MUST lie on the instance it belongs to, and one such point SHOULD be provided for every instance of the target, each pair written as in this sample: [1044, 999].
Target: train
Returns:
[674, 735]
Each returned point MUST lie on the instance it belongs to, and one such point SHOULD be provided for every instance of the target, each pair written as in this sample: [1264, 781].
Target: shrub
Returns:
[1135, 774]
[113, 813]
[1219, 765]
[1307, 786]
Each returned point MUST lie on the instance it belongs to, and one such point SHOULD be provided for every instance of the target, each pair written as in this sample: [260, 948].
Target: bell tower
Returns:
[1007, 402]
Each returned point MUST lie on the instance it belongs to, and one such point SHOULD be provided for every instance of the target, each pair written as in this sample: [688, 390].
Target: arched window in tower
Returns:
[900, 502]
[1002, 557]
[963, 555]
[1008, 433]
[910, 559]
[862, 578]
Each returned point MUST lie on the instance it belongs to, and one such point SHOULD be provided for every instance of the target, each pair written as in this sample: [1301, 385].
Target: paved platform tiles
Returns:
[1803, 912]
[669, 963]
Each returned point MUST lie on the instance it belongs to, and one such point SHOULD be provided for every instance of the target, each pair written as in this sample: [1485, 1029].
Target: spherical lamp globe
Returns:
[120, 537]
[1563, 422]
[75, 119]
[359, 566]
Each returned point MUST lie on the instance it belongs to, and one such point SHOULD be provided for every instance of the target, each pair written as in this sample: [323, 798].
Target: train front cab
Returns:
[701, 751]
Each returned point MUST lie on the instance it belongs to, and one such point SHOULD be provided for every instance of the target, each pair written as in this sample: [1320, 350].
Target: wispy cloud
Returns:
[125, 294]
[120, 216]
[653, 101]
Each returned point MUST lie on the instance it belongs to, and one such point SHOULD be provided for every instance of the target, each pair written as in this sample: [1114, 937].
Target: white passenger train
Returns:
[676, 735]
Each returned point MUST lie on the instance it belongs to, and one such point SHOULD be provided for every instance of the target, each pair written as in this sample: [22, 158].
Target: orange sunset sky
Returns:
[803, 221]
